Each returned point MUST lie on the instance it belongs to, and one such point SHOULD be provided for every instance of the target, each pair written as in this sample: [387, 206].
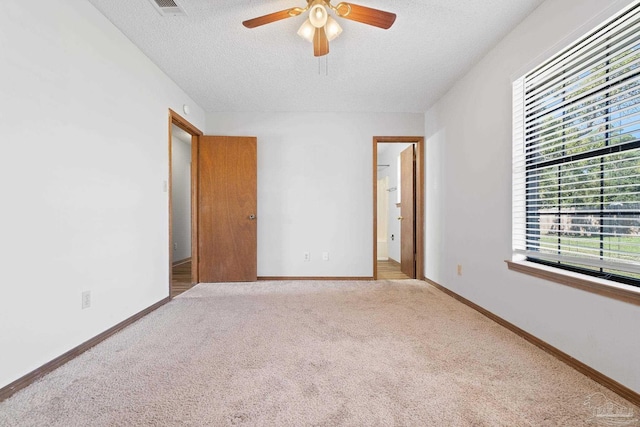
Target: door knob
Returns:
[252, 217]
[400, 218]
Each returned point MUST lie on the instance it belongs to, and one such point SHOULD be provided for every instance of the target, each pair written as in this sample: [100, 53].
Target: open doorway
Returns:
[183, 142]
[181, 266]
[396, 220]
[398, 207]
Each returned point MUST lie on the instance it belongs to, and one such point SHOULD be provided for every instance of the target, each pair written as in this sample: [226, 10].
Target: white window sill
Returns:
[608, 288]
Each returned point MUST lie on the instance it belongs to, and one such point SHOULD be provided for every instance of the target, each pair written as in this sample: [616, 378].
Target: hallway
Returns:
[181, 278]
[390, 270]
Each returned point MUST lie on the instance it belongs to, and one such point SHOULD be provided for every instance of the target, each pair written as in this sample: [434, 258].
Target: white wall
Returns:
[390, 157]
[82, 179]
[382, 219]
[468, 205]
[315, 190]
[181, 199]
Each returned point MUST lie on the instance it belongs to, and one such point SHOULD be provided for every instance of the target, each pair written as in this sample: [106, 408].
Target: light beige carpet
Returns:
[314, 354]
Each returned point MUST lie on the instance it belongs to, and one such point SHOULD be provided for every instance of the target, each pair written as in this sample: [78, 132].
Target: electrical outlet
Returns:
[175, 246]
[459, 269]
[307, 256]
[325, 256]
[86, 299]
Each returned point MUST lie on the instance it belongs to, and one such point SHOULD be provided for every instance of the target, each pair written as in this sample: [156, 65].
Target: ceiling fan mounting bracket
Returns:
[297, 11]
[339, 6]
[328, 4]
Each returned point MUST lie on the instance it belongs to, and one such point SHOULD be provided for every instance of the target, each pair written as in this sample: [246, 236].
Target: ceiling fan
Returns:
[320, 28]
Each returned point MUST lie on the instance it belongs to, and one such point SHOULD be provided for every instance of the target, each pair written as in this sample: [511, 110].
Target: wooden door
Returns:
[227, 204]
[407, 212]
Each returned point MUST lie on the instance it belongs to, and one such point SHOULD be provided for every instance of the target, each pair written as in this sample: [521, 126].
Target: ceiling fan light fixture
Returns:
[318, 16]
[332, 28]
[307, 31]
[320, 28]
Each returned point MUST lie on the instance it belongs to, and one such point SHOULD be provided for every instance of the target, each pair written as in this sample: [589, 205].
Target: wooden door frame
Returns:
[419, 199]
[182, 123]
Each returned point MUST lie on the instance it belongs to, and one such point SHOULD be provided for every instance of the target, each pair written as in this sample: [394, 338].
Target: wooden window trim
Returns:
[607, 288]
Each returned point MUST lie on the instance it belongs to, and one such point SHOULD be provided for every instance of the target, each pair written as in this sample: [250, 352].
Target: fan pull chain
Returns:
[323, 65]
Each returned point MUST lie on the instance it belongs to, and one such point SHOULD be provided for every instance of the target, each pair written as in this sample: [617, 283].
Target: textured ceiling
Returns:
[226, 67]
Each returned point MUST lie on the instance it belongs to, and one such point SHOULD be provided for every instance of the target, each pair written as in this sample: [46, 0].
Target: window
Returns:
[576, 155]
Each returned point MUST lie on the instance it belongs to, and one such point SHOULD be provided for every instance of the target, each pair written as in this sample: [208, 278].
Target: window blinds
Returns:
[576, 154]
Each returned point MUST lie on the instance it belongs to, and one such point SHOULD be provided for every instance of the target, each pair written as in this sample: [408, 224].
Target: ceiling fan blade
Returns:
[272, 17]
[366, 15]
[320, 42]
